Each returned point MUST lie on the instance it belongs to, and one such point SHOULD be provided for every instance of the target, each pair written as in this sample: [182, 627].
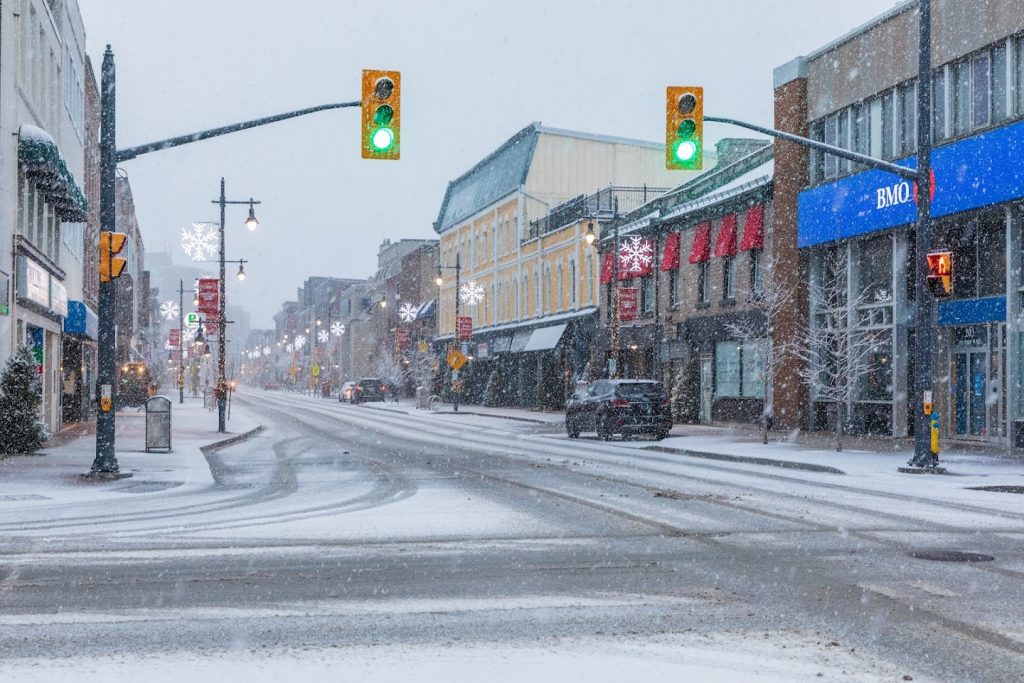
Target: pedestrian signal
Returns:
[940, 273]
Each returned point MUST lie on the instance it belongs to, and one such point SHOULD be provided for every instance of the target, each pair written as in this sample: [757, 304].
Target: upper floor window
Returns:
[729, 278]
[703, 284]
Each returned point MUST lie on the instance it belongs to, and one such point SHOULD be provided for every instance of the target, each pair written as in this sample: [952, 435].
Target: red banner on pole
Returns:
[174, 338]
[402, 338]
[465, 332]
[628, 300]
[211, 328]
[209, 296]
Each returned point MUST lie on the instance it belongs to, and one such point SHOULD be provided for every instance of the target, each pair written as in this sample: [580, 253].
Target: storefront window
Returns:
[874, 268]
[979, 254]
[876, 382]
[981, 68]
[727, 368]
[729, 277]
[753, 372]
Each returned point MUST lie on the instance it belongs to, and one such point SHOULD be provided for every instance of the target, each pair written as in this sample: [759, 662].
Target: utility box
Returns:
[158, 424]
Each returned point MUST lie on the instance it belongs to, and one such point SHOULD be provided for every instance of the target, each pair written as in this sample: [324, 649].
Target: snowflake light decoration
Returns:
[337, 328]
[266, 350]
[300, 341]
[169, 310]
[636, 254]
[322, 336]
[407, 312]
[471, 293]
[199, 241]
[288, 348]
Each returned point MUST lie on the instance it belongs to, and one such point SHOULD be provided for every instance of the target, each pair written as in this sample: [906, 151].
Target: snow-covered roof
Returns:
[545, 320]
[753, 179]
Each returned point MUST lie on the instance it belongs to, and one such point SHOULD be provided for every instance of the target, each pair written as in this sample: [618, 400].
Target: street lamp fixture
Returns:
[251, 221]
[591, 236]
[241, 270]
[439, 279]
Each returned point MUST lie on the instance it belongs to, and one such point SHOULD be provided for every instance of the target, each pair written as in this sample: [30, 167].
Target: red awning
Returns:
[670, 260]
[753, 229]
[726, 243]
[701, 250]
[606, 267]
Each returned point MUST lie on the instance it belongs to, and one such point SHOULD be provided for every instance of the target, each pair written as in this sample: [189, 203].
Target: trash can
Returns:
[158, 423]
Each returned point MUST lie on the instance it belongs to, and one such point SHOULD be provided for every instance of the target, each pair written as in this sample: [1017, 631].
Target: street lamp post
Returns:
[222, 385]
[440, 280]
[181, 341]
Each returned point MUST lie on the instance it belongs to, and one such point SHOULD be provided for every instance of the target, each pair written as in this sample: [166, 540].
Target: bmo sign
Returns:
[891, 195]
[972, 173]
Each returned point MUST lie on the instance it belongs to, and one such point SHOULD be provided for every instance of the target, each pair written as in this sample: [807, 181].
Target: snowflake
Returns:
[266, 350]
[322, 336]
[636, 254]
[169, 310]
[199, 241]
[288, 348]
[407, 312]
[300, 341]
[337, 328]
[471, 293]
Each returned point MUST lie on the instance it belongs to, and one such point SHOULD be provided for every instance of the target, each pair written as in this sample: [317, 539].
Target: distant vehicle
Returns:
[134, 385]
[368, 389]
[346, 392]
[271, 386]
[619, 406]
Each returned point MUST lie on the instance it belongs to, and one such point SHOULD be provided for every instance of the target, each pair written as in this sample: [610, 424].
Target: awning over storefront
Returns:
[726, 243]
[519, 340]
[753, 229]
[544, 338]
[701, 250]
[670, 260]
[501, 344]
[426, 309]
[44, 164]
[81, 320]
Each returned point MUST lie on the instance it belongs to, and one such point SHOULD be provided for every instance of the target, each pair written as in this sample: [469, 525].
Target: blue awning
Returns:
[426, 309]
[81, 320]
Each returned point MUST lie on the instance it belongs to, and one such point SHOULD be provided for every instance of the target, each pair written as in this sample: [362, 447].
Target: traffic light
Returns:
[382, 120]
[111, 266]
[940, 273]
[684, 128]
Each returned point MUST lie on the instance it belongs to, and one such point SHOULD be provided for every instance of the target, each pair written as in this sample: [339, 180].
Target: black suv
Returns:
[619, 406]
[368, 389]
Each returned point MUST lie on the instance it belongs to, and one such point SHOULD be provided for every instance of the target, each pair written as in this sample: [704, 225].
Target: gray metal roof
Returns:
[497, 175]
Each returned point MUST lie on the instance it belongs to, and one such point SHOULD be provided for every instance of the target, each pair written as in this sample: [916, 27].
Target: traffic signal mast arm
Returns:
[872, 162]
[132, 152]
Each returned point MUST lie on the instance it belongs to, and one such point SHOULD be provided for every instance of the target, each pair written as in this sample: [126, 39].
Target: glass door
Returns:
[970, 371]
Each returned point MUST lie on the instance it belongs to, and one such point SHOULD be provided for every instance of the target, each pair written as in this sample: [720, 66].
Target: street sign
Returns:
[628, 300]
[315, 371]
[192, 319]
[456, 359]
[402, 339]
[209, 296]
[174, 338]
[465, 328]
[423, 346]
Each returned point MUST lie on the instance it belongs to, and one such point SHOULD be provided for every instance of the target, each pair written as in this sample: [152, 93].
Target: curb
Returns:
[230, 441]
[500, 417]
[749, 460]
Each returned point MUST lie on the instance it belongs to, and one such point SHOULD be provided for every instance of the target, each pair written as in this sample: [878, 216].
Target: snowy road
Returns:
[416, 538]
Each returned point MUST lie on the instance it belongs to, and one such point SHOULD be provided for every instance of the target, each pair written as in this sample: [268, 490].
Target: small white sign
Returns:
[37, 283]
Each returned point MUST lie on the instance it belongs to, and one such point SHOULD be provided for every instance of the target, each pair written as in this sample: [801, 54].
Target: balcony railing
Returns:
[601, 204]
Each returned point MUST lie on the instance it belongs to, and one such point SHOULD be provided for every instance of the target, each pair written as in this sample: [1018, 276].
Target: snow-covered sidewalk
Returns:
[53, 474]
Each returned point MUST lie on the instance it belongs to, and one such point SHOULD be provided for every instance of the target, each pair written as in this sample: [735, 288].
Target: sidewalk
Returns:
[53, 474]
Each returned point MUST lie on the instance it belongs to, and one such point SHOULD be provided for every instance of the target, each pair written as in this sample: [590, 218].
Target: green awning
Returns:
[44, 164]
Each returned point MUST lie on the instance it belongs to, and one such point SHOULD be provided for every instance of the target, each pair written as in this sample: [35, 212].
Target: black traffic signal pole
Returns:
[924, 306]
[105, 462]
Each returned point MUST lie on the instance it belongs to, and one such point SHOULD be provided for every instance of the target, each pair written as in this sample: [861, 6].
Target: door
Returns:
[970, 369]
[707, 387]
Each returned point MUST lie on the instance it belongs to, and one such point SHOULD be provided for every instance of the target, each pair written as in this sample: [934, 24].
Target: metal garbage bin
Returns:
[158, 423]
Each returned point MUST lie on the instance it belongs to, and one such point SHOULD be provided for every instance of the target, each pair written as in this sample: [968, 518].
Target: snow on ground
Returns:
[710, 658]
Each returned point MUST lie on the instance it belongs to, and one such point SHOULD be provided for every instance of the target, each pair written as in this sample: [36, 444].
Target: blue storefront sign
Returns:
[969, 174]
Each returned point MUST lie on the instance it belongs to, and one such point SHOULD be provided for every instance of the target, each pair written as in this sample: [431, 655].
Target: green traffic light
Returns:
[382, 139]
[383, 115]
[686, 151]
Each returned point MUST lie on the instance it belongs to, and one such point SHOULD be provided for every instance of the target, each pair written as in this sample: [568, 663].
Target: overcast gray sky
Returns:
[473, 73]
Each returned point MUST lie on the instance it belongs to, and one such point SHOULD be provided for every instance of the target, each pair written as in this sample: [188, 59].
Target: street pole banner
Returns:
[174, 338]
[209, 296]
[465, 328]
[211, 328]
[628, 300]
[402, 339]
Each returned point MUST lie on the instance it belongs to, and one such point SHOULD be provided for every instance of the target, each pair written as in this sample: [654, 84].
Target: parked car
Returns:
[368, 389]
[346, 392]
[619, 406]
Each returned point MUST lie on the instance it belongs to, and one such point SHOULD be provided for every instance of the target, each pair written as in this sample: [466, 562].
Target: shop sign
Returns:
[34, 283]
[209, 296]
[465, 328]
[482, 350]
[58, 298]
[978, 171]
[5, 295]
[211, 328]
[174, 338]
[402, 339]
[629, 298]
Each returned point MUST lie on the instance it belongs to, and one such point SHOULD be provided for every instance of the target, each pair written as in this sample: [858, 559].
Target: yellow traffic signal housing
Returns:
[111, 243]
[684, 128]
[940, 273]
[382, 116]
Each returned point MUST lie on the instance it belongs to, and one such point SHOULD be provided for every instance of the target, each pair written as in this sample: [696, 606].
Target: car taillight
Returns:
[620, 403]
[383, 387]
[359, 388]
[665, 403]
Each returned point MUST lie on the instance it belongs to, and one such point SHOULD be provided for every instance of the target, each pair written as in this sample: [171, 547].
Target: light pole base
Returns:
[100, 477]
[923, 470]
